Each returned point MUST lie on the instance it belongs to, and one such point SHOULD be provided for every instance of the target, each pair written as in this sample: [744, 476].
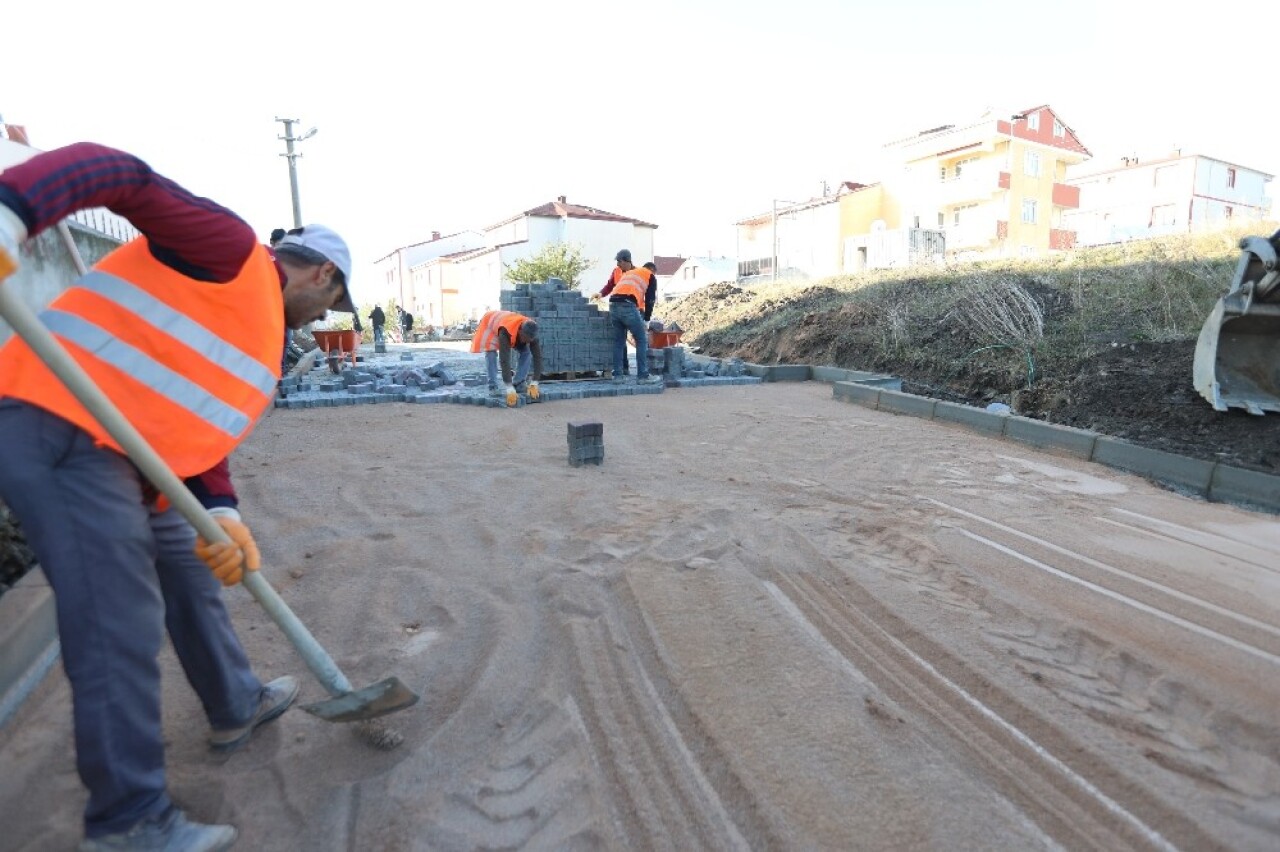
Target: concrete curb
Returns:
[28, 640]
[1211, 480]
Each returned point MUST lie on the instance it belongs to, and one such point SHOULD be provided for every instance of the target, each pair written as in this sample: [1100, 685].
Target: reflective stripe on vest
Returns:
[178, 325]
[147, 370]
[634, 283]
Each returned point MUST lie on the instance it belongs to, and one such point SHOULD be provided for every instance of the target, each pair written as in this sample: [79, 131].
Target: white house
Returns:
[667, 266]
[480, 273]
[804, 236]
[392, 279]
[1173, 194]
[696, 273]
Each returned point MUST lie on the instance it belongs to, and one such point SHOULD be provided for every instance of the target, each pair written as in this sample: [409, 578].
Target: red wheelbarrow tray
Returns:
[343, 341]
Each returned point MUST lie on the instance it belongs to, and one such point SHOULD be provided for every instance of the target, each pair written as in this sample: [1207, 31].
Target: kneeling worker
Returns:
[498, 333]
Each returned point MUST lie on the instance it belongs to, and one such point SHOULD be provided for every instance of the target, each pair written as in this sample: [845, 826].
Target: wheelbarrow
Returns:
[663, 339]
[338, 345]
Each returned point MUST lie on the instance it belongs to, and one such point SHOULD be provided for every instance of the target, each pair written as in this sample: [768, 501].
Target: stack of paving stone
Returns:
[680, 371]
[576, 337]
[369, 385]
[586, 443]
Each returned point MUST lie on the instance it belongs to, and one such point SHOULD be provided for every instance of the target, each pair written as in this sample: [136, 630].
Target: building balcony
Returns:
[1060, 240]
[969, 235]
[1065, 195]
[979, 185]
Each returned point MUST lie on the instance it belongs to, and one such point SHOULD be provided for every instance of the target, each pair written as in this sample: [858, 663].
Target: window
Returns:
[1227, 211]
[964, 208]
[916, 223]
[1165, 174]
[1033, 121]
[1058, 129]
[1027, 251]
[964, 164]
[1031, 164]
[942, 221]
[1029, 211]
[1231, 178]
[942, 173]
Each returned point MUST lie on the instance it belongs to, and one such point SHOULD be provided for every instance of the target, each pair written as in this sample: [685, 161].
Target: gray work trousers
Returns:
[121, 575]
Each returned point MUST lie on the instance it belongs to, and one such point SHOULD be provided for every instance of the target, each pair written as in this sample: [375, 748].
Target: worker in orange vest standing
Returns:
[500, 332]
[182, 328]
[628, 290]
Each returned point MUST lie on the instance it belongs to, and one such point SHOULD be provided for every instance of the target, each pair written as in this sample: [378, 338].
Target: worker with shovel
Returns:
[182, 329]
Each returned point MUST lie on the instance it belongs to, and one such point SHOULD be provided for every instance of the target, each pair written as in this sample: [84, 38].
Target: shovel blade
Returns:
[386, 696]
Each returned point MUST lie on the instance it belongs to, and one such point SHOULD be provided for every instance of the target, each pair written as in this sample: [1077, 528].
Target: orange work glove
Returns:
[228, 561]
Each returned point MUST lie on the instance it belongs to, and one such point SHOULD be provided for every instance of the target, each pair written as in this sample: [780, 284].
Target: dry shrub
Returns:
[997, 310]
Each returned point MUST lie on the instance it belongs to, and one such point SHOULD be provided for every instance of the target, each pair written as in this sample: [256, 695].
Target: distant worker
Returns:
[627, 289]
[379, 321]
[498, 333]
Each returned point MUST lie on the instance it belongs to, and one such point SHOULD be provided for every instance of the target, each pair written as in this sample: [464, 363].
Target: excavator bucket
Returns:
[1237, 360]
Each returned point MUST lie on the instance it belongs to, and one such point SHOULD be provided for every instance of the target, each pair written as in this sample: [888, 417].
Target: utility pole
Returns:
[292, 156]
[774, 267]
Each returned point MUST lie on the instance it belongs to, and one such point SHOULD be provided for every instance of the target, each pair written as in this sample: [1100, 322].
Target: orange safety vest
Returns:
[191, 364]
[486, 337]
[634, 283]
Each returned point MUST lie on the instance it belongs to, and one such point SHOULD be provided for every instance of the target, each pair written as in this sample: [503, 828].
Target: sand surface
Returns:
[770, 620]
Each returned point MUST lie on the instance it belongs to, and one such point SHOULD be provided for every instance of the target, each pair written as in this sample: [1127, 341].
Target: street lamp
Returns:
[292, 156]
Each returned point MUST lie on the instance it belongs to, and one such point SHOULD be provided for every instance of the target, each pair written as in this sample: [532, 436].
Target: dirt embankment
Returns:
[1097, 341]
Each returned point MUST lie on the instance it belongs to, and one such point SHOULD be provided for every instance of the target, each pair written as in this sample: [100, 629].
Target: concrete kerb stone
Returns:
[868, 395]
[1037, 433]
[906, 403]
[974, 418]
[28, 639]
[1237, 485]
[1212, 480]
[1194, 474]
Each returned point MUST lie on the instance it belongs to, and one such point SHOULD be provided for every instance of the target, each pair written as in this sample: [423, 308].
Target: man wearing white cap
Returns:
[182, 329]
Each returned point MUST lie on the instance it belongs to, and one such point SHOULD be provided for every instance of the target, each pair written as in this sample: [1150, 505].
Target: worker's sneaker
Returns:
[276, 698]
[650, 380]
[169, 832]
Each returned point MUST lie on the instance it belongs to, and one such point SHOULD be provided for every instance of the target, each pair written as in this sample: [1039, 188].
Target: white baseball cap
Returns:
[326, 243]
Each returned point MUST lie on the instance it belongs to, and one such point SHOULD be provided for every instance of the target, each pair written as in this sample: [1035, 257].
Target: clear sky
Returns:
[689, 114]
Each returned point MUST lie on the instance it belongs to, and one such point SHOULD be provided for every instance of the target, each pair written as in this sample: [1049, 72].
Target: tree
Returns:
[555, 260]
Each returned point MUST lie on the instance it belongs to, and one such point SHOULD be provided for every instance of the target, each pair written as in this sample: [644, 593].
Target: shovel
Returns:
[346, 704]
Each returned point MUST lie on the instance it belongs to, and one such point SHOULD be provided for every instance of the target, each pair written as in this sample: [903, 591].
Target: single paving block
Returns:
[585, 428]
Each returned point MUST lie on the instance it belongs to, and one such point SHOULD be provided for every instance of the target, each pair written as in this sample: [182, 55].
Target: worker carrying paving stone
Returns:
[497, 335]
[182, 329]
